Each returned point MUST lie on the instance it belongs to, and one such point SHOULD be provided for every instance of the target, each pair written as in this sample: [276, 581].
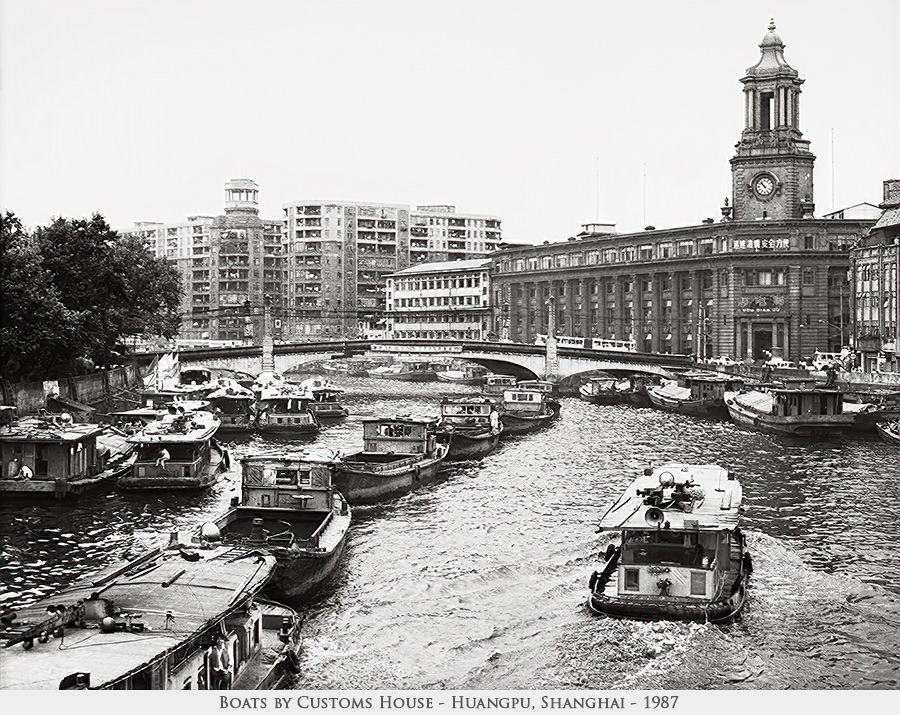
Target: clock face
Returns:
[764, 185]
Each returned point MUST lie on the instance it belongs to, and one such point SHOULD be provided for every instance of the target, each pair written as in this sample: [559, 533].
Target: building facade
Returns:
[768, 279]
[447, 300]
[231, 266]
[875, 271]
[340, 252]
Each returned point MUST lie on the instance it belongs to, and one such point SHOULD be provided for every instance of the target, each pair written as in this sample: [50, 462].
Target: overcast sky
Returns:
[548, 114]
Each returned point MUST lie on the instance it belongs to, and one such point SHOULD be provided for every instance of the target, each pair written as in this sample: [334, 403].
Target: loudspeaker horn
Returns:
[654, 516]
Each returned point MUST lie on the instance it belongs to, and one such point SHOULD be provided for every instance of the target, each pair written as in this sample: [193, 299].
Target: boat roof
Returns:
[717, 508]
[467, 400]
[284, 391]
[318, 384]
[401, 420]
[320, 456]
[195, 594]
[187, 427]
[47, 429]
[231, 388]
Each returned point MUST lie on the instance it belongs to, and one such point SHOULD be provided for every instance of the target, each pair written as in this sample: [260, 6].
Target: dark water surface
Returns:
[479, 580]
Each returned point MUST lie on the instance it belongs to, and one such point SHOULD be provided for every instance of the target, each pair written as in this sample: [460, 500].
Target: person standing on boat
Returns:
[162, 458]
[220, 662]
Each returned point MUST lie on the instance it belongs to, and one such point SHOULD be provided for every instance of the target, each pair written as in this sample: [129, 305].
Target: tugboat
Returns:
[524, 411]
[800, 412]
[604, 391]
[233, 404]
[550, 390]
[699, 394]
[290, 509]
[53, 456]
[680, 552]
[282, 409]
[176, 452]
[472, 426]
[496, 385]
[398, 456]
[325, 403]
[185, 617]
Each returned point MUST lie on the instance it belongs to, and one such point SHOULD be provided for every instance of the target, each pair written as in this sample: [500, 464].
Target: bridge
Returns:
[525, 361]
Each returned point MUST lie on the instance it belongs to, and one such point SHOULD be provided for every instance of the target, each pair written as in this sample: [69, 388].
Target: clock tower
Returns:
[772, 169]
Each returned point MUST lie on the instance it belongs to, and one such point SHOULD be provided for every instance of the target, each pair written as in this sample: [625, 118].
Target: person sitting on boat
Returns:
[13, 468]
[220, 663]
[25, 472]
[162, 458]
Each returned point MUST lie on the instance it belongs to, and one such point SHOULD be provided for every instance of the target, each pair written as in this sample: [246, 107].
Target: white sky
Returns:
[142, 110]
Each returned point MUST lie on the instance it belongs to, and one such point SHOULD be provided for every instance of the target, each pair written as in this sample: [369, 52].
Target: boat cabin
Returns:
[548, 388]
[467, 411]
[399, 436]
[709, 387]
[292, 482]
[523, 402]
[497, 384]
[794, 403]
[284, 406]
[195, 376]
[677, 527]
[601, 385]
[186, 438]
[53, 448]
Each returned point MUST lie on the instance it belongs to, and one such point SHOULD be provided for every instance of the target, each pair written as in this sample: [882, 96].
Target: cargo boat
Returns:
[677, 550]
[398, 455]
[325, 403]
[289, 508]
[696, 394]
[194, 459]
[63, 457]
[232, 404]
[472, 426]
[524, 411]
[186, 617]
[282, 409]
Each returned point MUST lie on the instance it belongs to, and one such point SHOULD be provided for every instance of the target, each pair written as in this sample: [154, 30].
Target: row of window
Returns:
[407, 284]
[453, 300]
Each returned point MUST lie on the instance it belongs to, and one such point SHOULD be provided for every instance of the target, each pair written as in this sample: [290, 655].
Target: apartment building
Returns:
[449, 299]
[231, 265]
[340, 252]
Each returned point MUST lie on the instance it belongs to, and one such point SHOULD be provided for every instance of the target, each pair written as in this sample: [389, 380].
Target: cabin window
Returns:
[304, 478]
[698, 583]
[266, 500]
[632, 580]
[285, 476]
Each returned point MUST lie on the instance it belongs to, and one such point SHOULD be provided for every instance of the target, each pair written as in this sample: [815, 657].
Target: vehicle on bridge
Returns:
[589, 343]
[700, 394]
[176, 451]
[398, 455]
[472, 426]
[677, 551]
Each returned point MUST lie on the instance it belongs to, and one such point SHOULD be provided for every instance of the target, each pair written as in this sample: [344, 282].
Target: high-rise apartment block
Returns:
[321, 268]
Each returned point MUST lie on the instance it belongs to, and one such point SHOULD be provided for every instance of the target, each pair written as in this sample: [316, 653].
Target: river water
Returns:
[479, 581]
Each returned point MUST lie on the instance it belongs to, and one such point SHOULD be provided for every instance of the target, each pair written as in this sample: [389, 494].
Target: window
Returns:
[809, 242]
[632, 580]
[809, 277]
[698, 583]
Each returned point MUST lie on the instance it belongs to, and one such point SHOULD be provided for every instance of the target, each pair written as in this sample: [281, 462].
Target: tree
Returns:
[36, 328]
[90, 287]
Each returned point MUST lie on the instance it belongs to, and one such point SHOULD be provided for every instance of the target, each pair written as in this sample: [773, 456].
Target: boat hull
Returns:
[62, 487]
[460, 380]
[328, 411]
[714, 407]
[800, 425]
[472, 445]
[515, 424]
[612, 398]
[275, 430]
[887, 434]
[405, 376]
[718, 610]
[362, 485]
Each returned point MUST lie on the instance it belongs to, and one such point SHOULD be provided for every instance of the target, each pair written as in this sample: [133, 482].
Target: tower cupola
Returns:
[241, 196]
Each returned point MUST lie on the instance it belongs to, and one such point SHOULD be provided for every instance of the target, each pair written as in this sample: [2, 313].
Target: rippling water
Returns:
[479, 580]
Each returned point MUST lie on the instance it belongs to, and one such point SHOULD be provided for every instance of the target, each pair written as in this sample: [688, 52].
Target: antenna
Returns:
[597, 197]
[832, 168]
[645, 194]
